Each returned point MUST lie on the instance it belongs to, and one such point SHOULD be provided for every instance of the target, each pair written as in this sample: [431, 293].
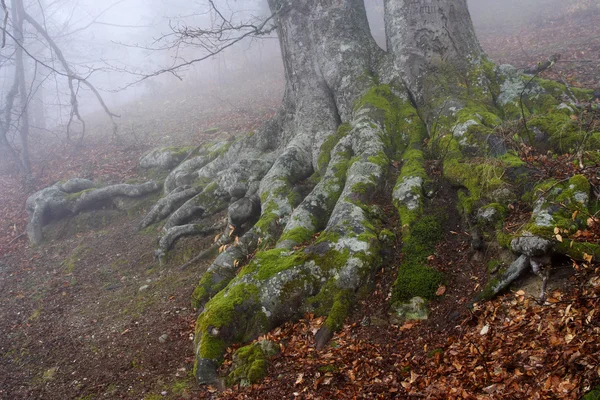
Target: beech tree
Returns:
[303, 233]
[349, 110]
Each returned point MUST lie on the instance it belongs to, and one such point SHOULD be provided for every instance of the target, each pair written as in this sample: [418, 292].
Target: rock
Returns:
[165, 158]
[515, 270]
[530, 245]
[496, 145]
[142, 288]
[244, 210]
[416, 309]
[163, 338]
[238, 190]
[408, 192]
[503, 195]
[206, 372]
[250, 363]
[76, 185]
[597, 94]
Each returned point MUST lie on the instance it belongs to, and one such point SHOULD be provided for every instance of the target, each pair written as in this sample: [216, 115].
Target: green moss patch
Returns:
[415, 278]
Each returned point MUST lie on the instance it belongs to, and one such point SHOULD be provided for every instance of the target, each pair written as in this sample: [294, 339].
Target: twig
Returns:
[18, 237]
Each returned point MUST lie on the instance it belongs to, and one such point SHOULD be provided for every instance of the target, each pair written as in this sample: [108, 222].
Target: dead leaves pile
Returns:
[511, 347]
[515, 348]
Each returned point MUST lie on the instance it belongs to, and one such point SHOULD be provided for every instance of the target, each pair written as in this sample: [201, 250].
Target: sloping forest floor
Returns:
[91, 315]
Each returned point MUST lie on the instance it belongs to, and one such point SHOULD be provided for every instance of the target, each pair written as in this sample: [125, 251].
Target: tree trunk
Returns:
[17, 15]
[348, 110]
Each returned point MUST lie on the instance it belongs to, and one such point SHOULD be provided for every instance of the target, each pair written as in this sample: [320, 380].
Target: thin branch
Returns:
[71, 74]
[3, 2]
[213, 41]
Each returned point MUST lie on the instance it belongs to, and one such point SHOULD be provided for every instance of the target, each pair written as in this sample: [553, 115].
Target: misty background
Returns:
[117, 45]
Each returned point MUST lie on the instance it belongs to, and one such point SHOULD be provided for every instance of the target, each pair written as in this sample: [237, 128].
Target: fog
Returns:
[117, 45]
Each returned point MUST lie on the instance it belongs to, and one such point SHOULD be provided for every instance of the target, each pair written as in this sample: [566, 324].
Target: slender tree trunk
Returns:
[17, 15]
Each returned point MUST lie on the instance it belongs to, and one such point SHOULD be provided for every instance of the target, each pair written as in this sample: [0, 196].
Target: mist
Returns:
[132, 50]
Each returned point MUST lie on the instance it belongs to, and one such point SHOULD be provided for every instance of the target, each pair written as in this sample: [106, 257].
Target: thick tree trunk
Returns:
[429, 36]
[349, 109]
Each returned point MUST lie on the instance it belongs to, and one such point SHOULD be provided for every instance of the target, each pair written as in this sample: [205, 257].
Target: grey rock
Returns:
[415, 309]
[163, 338]
[530, 245]
[143, 288]
[238, 190]
[244, 210]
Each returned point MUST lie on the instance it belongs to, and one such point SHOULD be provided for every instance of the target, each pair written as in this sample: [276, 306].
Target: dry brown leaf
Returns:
[441, 290]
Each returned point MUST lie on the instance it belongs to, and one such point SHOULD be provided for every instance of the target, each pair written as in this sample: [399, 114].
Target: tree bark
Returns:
[17, 15]
[348, 110]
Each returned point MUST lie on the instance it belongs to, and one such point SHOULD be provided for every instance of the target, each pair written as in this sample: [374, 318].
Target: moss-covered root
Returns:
[209, 202]
[312, 214]
[278, 200]
[172, 235]
[279, 284]
[408, 190]
[165, 206]
[561, 209]
[415, 278]
[72, 197]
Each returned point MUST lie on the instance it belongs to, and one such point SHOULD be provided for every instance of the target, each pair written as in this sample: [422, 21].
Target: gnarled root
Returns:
[283, 283]
[72, 197]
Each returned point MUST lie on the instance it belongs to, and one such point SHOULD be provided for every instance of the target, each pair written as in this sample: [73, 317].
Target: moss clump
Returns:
[415, 278]
[206, 288]
[78, 195]
[342, 304]
[222, 311]
[329, 144]
[250, 363]
[297, 235]
[268, 263]
[593, 395]
[74, 258]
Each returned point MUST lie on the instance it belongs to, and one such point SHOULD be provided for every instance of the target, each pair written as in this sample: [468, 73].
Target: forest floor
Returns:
[91, 315]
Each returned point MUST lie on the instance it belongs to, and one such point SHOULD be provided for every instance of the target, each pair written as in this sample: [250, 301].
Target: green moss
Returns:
[329, 144]
[221, 312]
[297, 235]
[179, 151]
[594, 394]
[250, 364]
[206, 289]
[71, 262]
[268, 218]
[267, 264]
[415, 278]
[380, 159]
[78, 195]
[342, 303]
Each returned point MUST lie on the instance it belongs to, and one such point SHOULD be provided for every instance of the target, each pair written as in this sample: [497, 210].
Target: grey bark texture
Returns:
[72, 197]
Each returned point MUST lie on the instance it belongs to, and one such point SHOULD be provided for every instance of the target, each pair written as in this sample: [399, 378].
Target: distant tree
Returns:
[22, 34]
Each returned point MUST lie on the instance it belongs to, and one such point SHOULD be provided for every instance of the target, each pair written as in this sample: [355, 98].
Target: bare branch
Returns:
[71, 74]
[5, 23]
[213, 41]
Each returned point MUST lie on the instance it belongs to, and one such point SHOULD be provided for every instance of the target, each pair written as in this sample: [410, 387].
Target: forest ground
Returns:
[85, 316]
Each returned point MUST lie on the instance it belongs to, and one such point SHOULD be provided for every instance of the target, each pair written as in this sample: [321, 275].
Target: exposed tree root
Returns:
[72, 197]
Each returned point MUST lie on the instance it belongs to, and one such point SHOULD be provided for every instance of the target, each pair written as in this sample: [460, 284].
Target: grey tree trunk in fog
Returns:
[335, 123]
[17, 16]
[349, 110]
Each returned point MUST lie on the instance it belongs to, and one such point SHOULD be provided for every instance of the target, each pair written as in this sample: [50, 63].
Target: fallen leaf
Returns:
[441, 290]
